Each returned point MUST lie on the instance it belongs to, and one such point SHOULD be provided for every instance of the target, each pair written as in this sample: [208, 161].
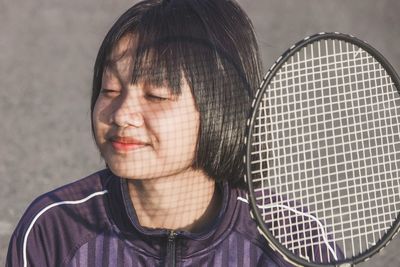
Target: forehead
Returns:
[119, 62]
[133, 60]
[124, 47]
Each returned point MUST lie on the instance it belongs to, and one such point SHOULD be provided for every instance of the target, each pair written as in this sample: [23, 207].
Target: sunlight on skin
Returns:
[149, 136]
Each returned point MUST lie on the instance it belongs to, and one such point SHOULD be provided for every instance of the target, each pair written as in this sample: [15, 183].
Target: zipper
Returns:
[171, 248]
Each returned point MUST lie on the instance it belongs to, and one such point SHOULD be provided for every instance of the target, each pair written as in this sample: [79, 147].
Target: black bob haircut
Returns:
[213, 46]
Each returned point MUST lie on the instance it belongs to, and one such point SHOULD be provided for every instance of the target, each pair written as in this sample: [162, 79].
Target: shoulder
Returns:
[258, 250]
[58, 221]
[245, 225]
[67, 202]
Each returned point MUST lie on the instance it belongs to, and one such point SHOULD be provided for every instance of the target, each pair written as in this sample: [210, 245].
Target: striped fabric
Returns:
[92, 223]
[112, 251]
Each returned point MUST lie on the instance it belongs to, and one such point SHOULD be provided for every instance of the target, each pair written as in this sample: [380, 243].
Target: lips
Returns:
[125, 144]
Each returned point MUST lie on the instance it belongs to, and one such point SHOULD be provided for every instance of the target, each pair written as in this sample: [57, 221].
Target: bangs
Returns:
[210, 45]
[166, 47]
[153, 64]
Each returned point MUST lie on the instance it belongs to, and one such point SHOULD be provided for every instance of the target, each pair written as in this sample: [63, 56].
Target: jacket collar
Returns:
[154, 241]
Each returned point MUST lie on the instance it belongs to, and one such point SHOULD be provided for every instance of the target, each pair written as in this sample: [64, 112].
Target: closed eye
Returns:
[110, 92]
[156, 98]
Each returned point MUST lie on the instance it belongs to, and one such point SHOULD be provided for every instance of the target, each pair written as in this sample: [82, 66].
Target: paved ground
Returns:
[47, 49]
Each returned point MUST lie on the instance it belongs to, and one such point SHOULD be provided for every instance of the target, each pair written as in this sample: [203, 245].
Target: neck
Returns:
[187, 201]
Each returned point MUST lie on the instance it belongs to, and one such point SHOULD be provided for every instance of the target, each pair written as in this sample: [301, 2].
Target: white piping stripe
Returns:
[72, 202]
[320, 225]
[242, 199]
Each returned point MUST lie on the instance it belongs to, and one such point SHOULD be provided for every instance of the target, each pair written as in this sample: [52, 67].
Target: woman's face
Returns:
[143, 131]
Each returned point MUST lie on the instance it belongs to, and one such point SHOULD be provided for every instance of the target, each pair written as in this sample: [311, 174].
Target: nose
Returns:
[128, 113]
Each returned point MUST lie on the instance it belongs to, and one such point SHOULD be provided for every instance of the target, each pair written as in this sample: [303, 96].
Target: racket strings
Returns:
[325, 137]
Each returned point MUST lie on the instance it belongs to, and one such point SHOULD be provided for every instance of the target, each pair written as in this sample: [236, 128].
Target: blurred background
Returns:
[47, 51]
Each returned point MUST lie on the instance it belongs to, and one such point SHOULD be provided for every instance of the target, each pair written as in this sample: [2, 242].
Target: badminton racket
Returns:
[323, 152]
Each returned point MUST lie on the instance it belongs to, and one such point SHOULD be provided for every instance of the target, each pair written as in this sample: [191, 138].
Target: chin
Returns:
[122, 171]
[128, 172]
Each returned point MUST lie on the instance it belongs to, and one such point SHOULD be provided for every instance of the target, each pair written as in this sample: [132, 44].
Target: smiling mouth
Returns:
[123, 144]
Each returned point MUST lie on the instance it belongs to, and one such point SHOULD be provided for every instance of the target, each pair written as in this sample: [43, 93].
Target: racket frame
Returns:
[254, 210]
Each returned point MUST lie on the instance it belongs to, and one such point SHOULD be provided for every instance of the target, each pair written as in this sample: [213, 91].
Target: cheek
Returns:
[96, 117]
[100, 111]
[180, 133]
[99, 118]
[190, 126]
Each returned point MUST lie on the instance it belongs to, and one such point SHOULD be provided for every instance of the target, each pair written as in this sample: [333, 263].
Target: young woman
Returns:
[172, 86]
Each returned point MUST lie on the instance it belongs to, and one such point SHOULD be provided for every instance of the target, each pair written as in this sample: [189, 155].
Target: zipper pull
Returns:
[172, 235]
[171, 249]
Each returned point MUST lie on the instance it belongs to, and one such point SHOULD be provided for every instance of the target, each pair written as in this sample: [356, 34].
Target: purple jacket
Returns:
[92, 222]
